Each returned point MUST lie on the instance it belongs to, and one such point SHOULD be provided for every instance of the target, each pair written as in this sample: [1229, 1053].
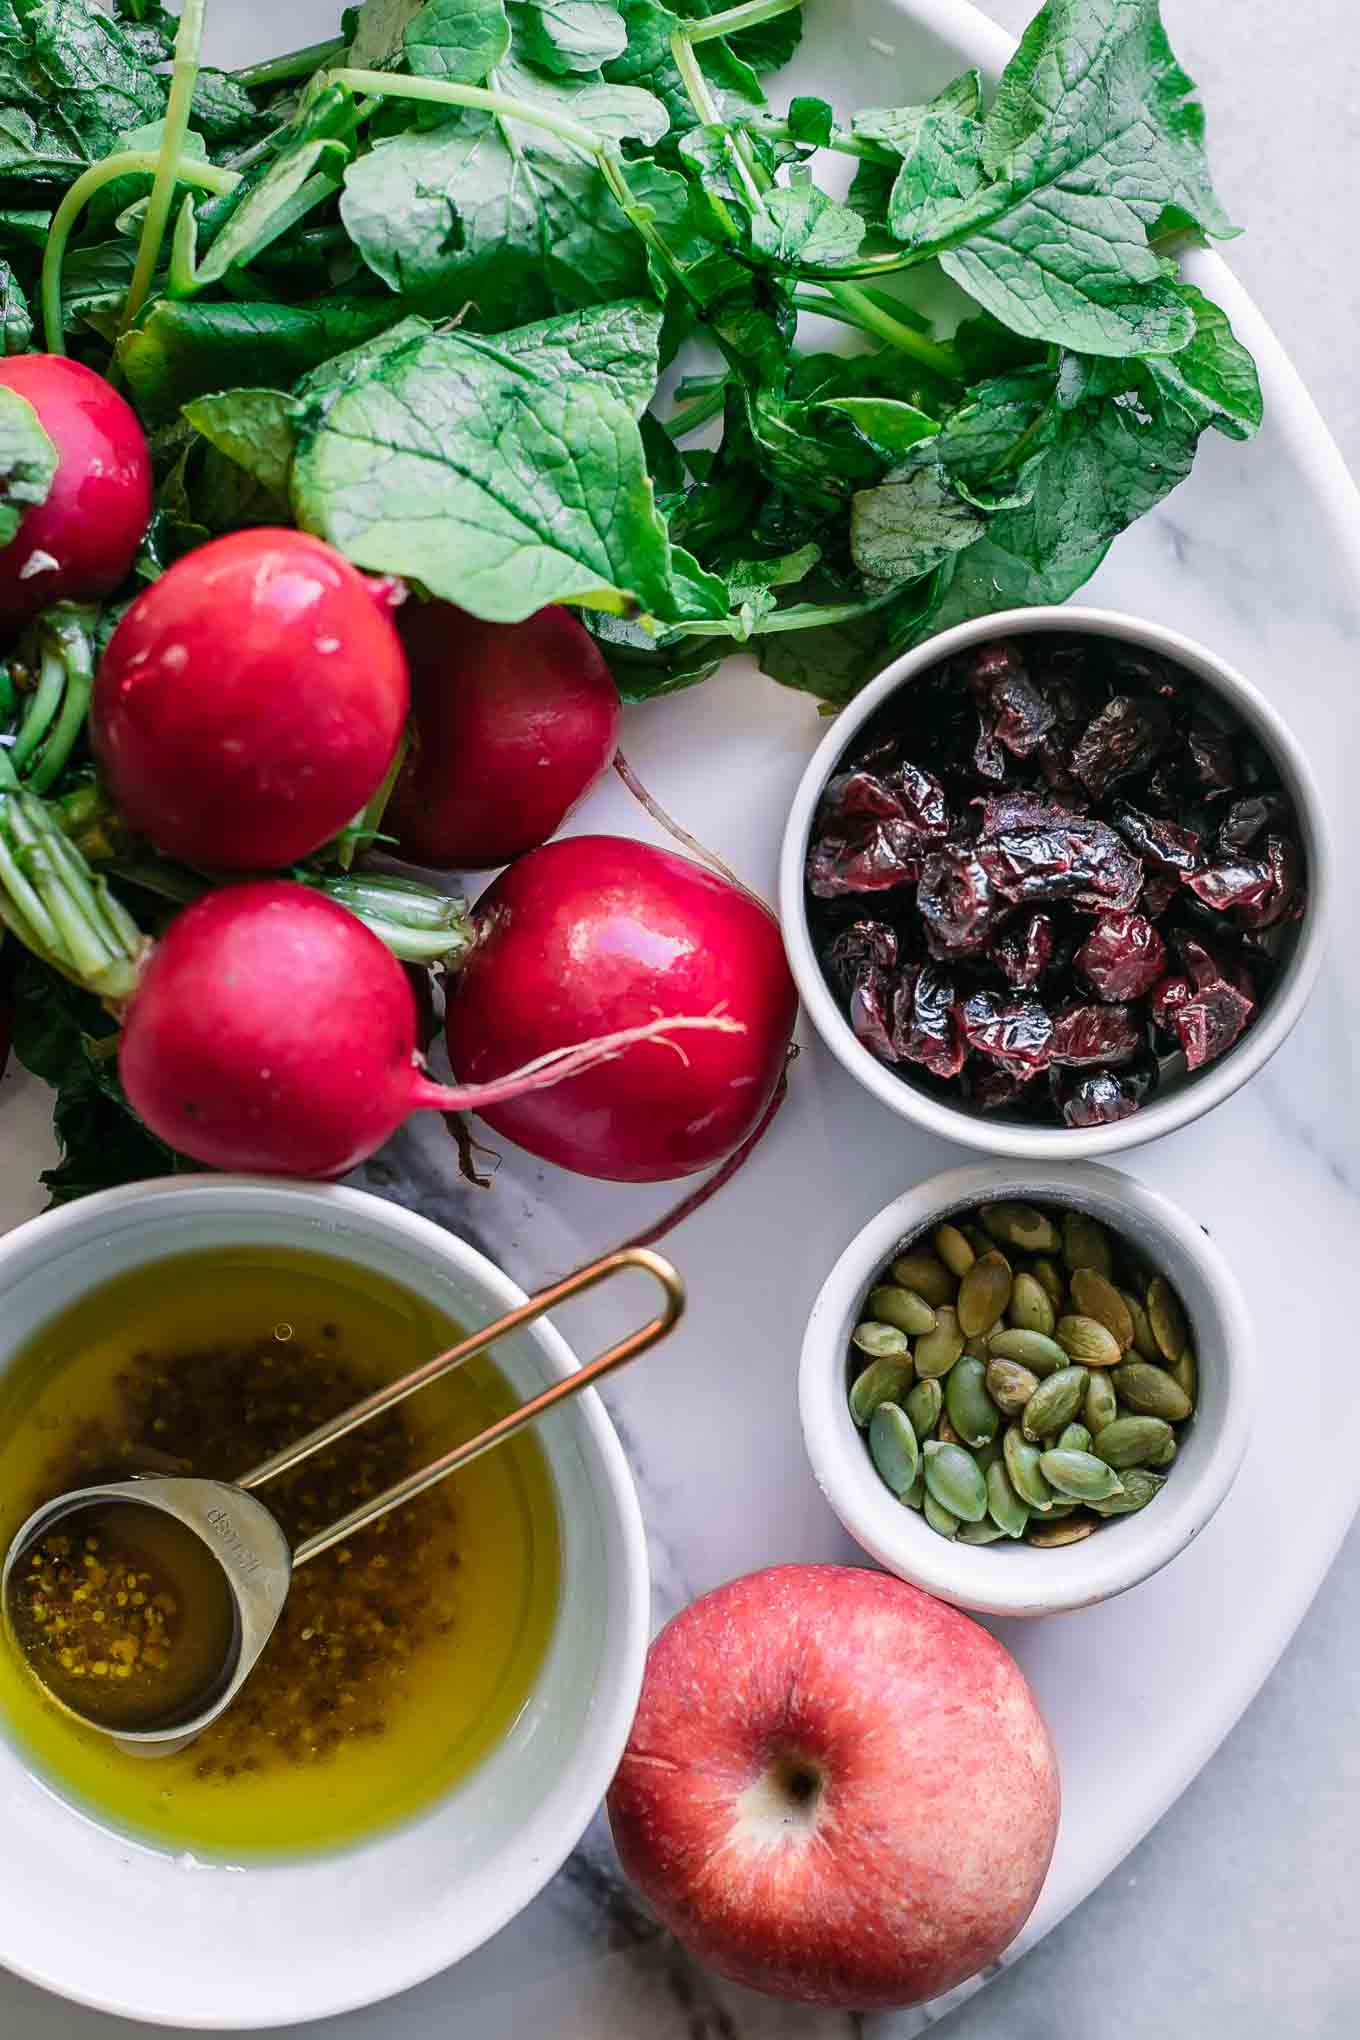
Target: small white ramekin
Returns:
[1014, 1578]
[1189, 1096]
[148, 1935]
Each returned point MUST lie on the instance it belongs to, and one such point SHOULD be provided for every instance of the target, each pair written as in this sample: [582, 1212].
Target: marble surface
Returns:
[1195, 1932]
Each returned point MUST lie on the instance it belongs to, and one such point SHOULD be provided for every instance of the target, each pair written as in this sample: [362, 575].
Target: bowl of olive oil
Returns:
[448, 1692]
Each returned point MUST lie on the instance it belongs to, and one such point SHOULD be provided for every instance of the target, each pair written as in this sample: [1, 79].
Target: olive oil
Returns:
[403, 1657]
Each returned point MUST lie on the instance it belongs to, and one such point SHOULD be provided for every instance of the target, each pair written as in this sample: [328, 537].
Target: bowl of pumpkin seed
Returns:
[1026, 1390]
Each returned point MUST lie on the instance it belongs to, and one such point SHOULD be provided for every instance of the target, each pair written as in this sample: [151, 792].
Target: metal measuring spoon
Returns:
[247, 1542]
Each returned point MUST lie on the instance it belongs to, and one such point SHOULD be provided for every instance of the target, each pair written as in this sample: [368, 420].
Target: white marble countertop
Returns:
[1239, 1913]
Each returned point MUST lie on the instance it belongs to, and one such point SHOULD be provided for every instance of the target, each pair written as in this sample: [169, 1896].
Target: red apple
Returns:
[836, 1789]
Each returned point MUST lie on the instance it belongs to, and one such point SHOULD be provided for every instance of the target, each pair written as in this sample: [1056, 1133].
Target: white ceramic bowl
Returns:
[128, 1929]
[1016, 1578]
[1183, 1098]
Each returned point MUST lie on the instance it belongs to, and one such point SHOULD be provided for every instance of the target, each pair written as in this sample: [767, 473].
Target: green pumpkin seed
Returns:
[953, 1249]
[940, 1348]
[1140, 1486]
[1167, 1318]
[1080, 1475]
[1049, 1534]
[1167, 1453]
[1144, 1345]
[1102, 1404]
[1004, 1505]
[1074, 1438]
[985, 1532]
[883, 1381]
[974, 1416]
[939, 1518]
[1022, 1226]
[923, 1406]
[1086, 1244]
[1132, 1441]
[1054, 1403]
[1031, 1308]
[1061, 1507]
[952, 1477]
[977, 1239]
[987, 1455]
[1049, 1277]
[1022, 1464]
[1089, 1342]
[921, 1271]
[904, 1308]
[893, 1446]
[915, 1496]
[1150, 1391]
[984, 1293]
[1185, 1374]
[1010, 1385]
[880, 1341]
[1096, 1298]
[1034, 1350]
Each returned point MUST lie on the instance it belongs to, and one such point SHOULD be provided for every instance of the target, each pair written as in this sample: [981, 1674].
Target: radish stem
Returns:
[183, 78]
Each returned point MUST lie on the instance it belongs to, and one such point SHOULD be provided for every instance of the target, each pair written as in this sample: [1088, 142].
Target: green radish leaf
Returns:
[93, 68]
[377, 31]
[461, 40]
[274, 205]
[181, 351]
[616, 344]
[28, 462]
[1213, 380]
[1094, 142]
[903, 530]
[33, 155]
[16, 321]
[811, 121]
[890, 426]
[563, 36]
[940, 144]
[222, 110]
[494, 485]
[254, 429]
[648, 61]
[800, 224]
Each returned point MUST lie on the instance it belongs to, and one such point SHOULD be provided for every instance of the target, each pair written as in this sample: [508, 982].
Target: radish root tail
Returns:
[560, 1063]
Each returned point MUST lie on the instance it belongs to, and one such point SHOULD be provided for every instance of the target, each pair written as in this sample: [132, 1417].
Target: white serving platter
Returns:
[1259, 555]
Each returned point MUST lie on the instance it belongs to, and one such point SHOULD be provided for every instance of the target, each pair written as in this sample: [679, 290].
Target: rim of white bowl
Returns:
[1001, 1579]
[1213, 1084]
[618, 1690]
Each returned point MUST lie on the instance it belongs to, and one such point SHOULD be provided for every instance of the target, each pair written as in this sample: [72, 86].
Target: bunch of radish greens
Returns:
[417, 292]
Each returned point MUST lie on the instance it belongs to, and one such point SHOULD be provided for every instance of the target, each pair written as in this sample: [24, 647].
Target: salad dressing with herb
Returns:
[402, 1658]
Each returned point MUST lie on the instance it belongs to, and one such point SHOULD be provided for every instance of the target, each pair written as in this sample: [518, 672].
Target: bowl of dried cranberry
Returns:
[1055, 883]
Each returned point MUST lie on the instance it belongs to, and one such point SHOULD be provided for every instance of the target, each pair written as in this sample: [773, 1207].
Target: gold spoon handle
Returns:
[619, 1355]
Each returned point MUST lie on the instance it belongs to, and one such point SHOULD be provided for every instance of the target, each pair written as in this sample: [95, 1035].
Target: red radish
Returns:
[514, 723]
[597, 933]
[271, 1030]
[251, 701]
[80, 542]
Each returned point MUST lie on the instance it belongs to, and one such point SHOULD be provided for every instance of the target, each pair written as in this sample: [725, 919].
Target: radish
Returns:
[597, 933]
[251, 701]
[80, 542]
[514, 723]
[271, 1030]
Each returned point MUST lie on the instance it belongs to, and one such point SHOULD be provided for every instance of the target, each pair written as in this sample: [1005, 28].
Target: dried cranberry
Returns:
[1024, 953]
[989, 760]
[1211, 754]
[932, 1034]
[1164, 843]
[1158, 892]
[1143, 673]
[1211, 964]
[1283, 900]
[1167, 999]
[872, 942]
[1098, 1099]
[956, 901]
[1245, 883]
[1023, 717]
[882, 856]
[1021, 809]
[921, 799]
[1071, 857]
[1246, 819]
[1123, 956]
[1211, 1022]
[858, 796]
[1013, 1032]
[1125, 737]
[869, 1008]
[1083, 1035]
[987, 665]
[990, 1088]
